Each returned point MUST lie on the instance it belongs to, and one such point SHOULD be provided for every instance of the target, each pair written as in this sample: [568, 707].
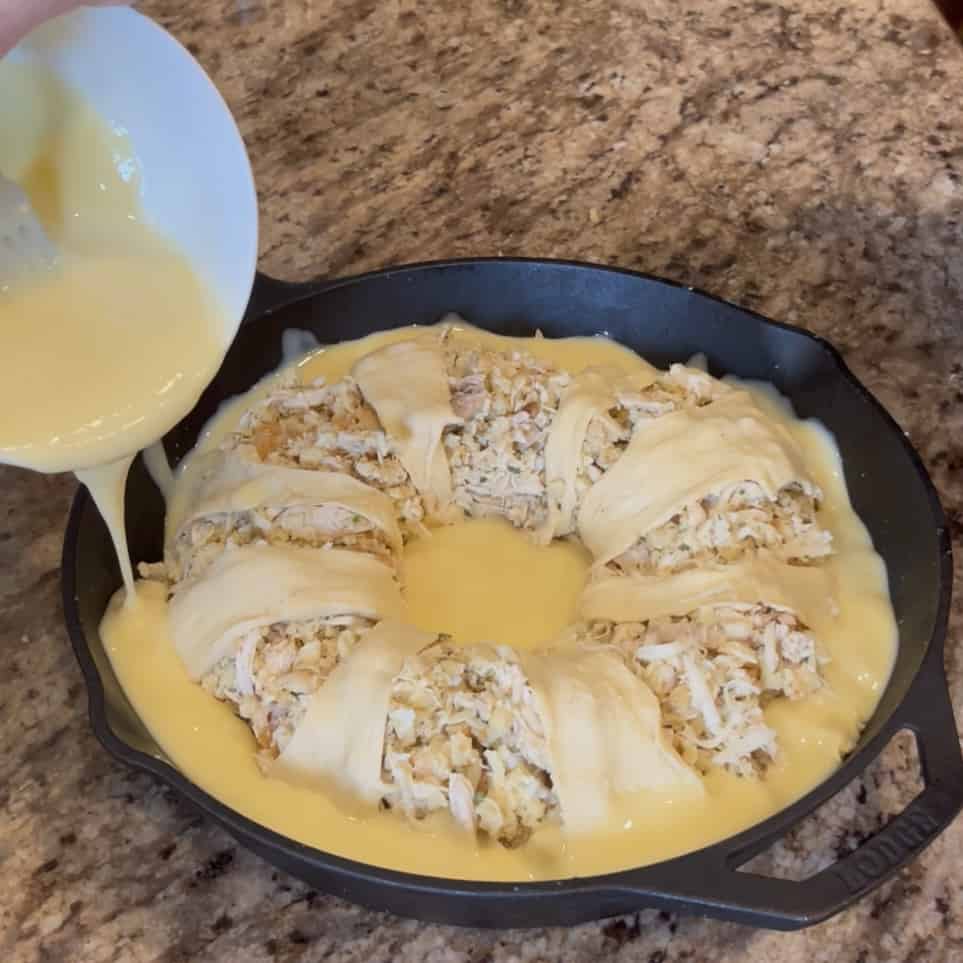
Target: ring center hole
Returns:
[484, 581]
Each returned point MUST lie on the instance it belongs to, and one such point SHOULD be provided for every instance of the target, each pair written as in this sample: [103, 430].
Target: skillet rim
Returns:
[271, 295]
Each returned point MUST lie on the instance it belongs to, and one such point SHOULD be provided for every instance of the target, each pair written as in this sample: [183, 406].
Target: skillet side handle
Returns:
[710, 884]
[271, 294]
[928, 713]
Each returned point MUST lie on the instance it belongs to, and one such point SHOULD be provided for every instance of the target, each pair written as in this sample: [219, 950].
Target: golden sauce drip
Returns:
[106, 484]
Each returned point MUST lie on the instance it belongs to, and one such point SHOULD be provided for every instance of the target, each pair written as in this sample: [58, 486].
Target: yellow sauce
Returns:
[106, 484]
[474, 582]
[104, 354]
[466, 583]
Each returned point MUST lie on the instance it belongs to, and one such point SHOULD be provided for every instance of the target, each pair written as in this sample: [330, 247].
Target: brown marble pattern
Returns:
[802, 158]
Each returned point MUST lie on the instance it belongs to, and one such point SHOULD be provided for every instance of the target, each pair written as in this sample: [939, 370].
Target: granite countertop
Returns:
[801, 158]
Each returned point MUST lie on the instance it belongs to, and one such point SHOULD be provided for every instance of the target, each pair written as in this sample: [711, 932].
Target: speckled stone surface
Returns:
[802, 158]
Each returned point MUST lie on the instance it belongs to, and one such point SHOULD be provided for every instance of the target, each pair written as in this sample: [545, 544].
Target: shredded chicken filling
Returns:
[713, 672]
[315, 526]
[329, 428]
[463, 735]
[508, 401]
[276, 669]
[725, 528]
[607, 437]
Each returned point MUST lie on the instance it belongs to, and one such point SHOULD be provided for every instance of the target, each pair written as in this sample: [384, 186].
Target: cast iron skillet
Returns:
[664, 322]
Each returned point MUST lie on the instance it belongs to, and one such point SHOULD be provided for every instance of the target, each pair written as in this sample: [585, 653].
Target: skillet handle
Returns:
[710, 882]
[271, 294]
[928, 713]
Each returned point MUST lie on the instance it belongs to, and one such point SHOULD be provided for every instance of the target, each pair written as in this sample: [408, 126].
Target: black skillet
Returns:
[664, 322]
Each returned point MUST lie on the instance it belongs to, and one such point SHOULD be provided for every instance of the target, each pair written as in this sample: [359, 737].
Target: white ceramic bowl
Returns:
[197, 188]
